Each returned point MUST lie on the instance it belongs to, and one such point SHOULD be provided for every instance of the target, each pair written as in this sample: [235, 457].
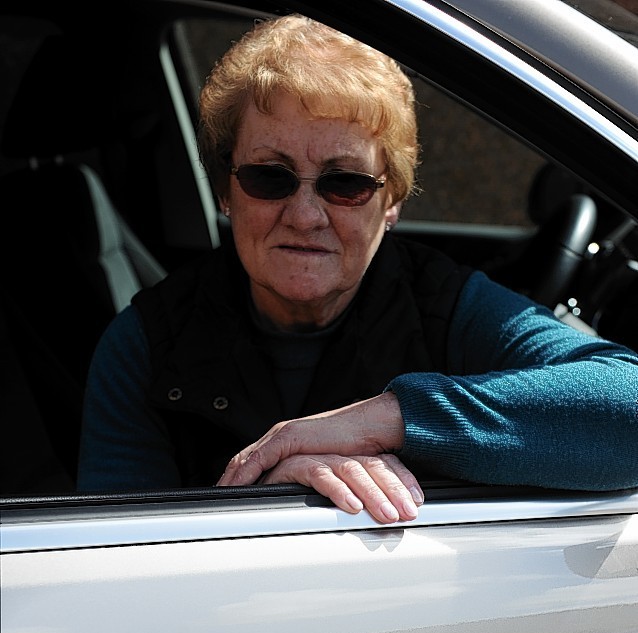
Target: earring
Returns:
[388, 226]
[227, 212]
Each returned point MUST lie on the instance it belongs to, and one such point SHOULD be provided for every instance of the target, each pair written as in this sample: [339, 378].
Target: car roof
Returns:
[601, 59]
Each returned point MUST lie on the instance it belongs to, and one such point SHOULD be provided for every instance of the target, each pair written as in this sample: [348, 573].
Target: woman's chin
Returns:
[300, 300]
[311, 294]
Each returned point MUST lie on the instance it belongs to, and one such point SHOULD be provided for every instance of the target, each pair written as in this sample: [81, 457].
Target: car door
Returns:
[507, 135]
[474, 560]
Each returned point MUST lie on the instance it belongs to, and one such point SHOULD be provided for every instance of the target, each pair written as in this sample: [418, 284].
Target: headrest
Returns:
[62, 105]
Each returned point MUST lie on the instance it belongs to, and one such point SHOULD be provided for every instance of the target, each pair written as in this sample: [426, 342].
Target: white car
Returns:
[530, 131]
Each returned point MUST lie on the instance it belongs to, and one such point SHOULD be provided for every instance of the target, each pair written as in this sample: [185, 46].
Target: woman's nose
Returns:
[305, 209]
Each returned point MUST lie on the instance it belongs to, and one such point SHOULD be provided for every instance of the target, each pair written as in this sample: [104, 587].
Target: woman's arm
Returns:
[123, 445]
[529, 400]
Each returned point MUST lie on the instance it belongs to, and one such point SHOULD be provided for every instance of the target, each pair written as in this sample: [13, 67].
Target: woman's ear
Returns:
[224, 205]
[392, 214]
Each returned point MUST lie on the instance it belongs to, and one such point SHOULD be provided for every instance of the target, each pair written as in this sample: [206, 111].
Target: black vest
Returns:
[213, 384]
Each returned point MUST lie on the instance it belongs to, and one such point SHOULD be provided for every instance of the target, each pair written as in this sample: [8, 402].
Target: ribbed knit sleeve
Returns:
[527, 399]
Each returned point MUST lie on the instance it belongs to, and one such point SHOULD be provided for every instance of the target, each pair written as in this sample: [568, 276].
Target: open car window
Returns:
[478, 201]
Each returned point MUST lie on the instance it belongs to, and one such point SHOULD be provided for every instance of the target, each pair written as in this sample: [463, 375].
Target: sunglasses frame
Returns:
[375, 183]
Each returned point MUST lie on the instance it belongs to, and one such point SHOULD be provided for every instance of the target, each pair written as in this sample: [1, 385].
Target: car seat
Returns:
[69, 260]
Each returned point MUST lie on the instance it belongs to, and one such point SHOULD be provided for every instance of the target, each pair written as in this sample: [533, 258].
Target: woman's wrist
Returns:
[382, 427]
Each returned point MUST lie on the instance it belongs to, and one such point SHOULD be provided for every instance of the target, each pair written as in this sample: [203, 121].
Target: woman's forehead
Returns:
[290, 130]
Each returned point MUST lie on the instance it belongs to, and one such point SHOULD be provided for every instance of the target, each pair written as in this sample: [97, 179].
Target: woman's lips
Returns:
[298, 248]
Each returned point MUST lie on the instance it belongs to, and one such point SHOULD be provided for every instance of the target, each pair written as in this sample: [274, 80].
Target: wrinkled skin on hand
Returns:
[343, 454]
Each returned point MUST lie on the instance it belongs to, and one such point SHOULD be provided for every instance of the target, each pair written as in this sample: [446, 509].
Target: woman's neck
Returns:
[298, 316]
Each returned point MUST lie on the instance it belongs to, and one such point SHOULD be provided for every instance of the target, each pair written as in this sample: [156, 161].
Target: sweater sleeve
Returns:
[528, 399]
[124, 446]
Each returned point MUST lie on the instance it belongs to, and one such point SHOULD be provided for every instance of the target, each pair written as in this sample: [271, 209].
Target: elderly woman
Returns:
[322, 349]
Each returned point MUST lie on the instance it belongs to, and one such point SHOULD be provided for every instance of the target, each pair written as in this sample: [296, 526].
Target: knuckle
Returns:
[255, 458]
[397, 490]
[390, 460]
[372, 462]
[377, 467]
[233, 463]
[350, 469]
[316, 469]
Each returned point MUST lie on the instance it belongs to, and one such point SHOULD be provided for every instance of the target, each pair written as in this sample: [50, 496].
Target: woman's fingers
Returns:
[369, 427]
[249, 464]
[381, 484]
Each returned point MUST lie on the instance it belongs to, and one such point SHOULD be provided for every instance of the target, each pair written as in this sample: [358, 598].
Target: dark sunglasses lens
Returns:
[266, 182]
[346, 189]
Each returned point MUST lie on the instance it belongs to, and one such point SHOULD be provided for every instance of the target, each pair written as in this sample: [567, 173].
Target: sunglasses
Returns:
[274, 182]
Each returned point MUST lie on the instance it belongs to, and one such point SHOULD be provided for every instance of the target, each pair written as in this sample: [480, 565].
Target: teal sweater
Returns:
[526, 400]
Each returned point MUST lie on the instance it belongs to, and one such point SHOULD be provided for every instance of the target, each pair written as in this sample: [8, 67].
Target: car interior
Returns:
[101, 194]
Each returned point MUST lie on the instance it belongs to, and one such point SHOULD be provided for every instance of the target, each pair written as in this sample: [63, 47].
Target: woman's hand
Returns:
[342, 455]
[381, 484]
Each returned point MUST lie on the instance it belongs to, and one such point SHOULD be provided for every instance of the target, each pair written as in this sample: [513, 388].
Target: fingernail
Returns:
[410, 509]
[417, 495]
[389, 511]
[354, 503]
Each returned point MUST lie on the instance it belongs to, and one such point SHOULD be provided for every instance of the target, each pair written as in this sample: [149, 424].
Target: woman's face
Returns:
[305, 257]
